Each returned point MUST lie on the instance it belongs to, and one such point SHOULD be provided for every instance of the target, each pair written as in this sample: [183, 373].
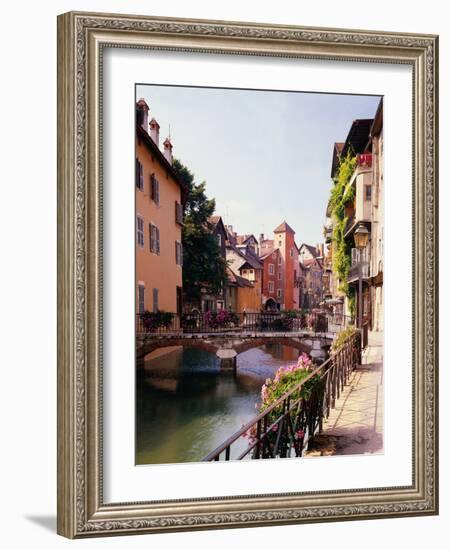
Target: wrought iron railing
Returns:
[337, 322]
[224, 321]
[353, 273]
[287, 426]
[148, 322]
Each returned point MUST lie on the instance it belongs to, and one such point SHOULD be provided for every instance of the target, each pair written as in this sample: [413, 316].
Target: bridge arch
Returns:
[258, 342]
[225, 346]
[149, 345]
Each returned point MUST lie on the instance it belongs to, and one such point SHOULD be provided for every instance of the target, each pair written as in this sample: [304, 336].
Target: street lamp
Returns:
[361, 237]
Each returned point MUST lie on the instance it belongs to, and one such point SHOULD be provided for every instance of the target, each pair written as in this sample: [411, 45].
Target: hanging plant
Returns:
[341, 195]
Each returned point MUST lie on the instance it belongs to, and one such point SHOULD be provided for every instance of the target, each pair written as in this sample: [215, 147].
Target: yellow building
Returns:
[243, 261]
[159, 219]
[242, 294]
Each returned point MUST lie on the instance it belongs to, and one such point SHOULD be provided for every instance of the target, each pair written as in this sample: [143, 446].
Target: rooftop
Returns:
[284, 228]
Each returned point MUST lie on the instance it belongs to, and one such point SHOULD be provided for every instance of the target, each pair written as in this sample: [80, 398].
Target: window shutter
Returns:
[178, 212]
[157, 191]
[141, 298]
[140, 231]
[181, 254]
[157, 241]
[153, 187]
[154, 237]
[139, 175]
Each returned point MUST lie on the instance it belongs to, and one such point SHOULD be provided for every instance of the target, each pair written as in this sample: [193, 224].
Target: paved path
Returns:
[355, 425]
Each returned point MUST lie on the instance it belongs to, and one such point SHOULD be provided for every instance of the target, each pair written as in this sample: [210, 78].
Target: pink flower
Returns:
[275, 428]
[300, 434]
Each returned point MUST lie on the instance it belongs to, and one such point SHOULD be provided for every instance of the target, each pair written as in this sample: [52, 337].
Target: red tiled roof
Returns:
[237, 279]
[284, 228]
[311, 249]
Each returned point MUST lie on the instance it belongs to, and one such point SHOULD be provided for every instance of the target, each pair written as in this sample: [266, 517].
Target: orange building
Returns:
[243, 260]
[159, 219]
[284, 241]
[272, 283]
[242, 295]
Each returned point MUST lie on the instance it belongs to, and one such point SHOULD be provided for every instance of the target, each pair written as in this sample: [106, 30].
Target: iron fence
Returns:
[289, 425]
[157, 322]
[225, 321]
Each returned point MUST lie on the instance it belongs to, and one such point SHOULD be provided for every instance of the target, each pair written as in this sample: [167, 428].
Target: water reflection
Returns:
[186, 406]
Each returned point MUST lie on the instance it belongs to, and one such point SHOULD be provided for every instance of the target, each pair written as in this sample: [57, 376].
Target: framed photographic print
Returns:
[247, 274]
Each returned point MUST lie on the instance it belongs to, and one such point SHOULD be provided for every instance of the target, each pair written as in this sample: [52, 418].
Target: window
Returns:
[139, 176]
[154, 239]
[140, 231]
[279, 293]
[279, 275]
[178, 212]
[368, 192]
[271, 269]
[219, 240]
[141, 298]
[178, 253]
[271, 288]
[154, 189]
[279, 260]
[155, 300]
[292, 252]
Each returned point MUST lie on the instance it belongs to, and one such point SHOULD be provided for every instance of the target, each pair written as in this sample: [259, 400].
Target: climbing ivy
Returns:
[341, 194]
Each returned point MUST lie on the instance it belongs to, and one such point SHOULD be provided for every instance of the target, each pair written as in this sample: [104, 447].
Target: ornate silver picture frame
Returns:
[82, 41]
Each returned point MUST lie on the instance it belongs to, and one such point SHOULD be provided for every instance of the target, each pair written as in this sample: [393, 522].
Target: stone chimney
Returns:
[154, 131]
[142, 114]
[168, 150]
[261, 238]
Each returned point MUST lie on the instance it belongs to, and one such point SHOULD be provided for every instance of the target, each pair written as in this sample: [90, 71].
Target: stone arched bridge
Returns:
[227, 346]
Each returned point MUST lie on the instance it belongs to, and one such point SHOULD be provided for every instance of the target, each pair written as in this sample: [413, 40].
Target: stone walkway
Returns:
[355, 425]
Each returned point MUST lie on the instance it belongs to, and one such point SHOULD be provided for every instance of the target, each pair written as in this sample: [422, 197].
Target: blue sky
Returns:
[265, 156]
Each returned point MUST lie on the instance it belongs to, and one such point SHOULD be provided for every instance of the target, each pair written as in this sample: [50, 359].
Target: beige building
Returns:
[377, 233]
[159, 219]
[363, 212]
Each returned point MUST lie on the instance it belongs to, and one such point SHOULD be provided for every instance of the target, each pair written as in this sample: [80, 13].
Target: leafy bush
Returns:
[344, 337]
[283, 323]
[222, 318]
[285, 379]
[291, 313]
[341, 195]
[153, 320]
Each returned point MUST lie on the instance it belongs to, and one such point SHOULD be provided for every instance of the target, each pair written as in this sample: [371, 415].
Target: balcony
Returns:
[328, 232]
[353, 274]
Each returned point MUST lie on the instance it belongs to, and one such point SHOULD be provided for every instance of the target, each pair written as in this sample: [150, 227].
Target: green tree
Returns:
[342, 194]
[203, 265]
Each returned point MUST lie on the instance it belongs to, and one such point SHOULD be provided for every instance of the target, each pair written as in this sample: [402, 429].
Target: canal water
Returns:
[186, 406]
